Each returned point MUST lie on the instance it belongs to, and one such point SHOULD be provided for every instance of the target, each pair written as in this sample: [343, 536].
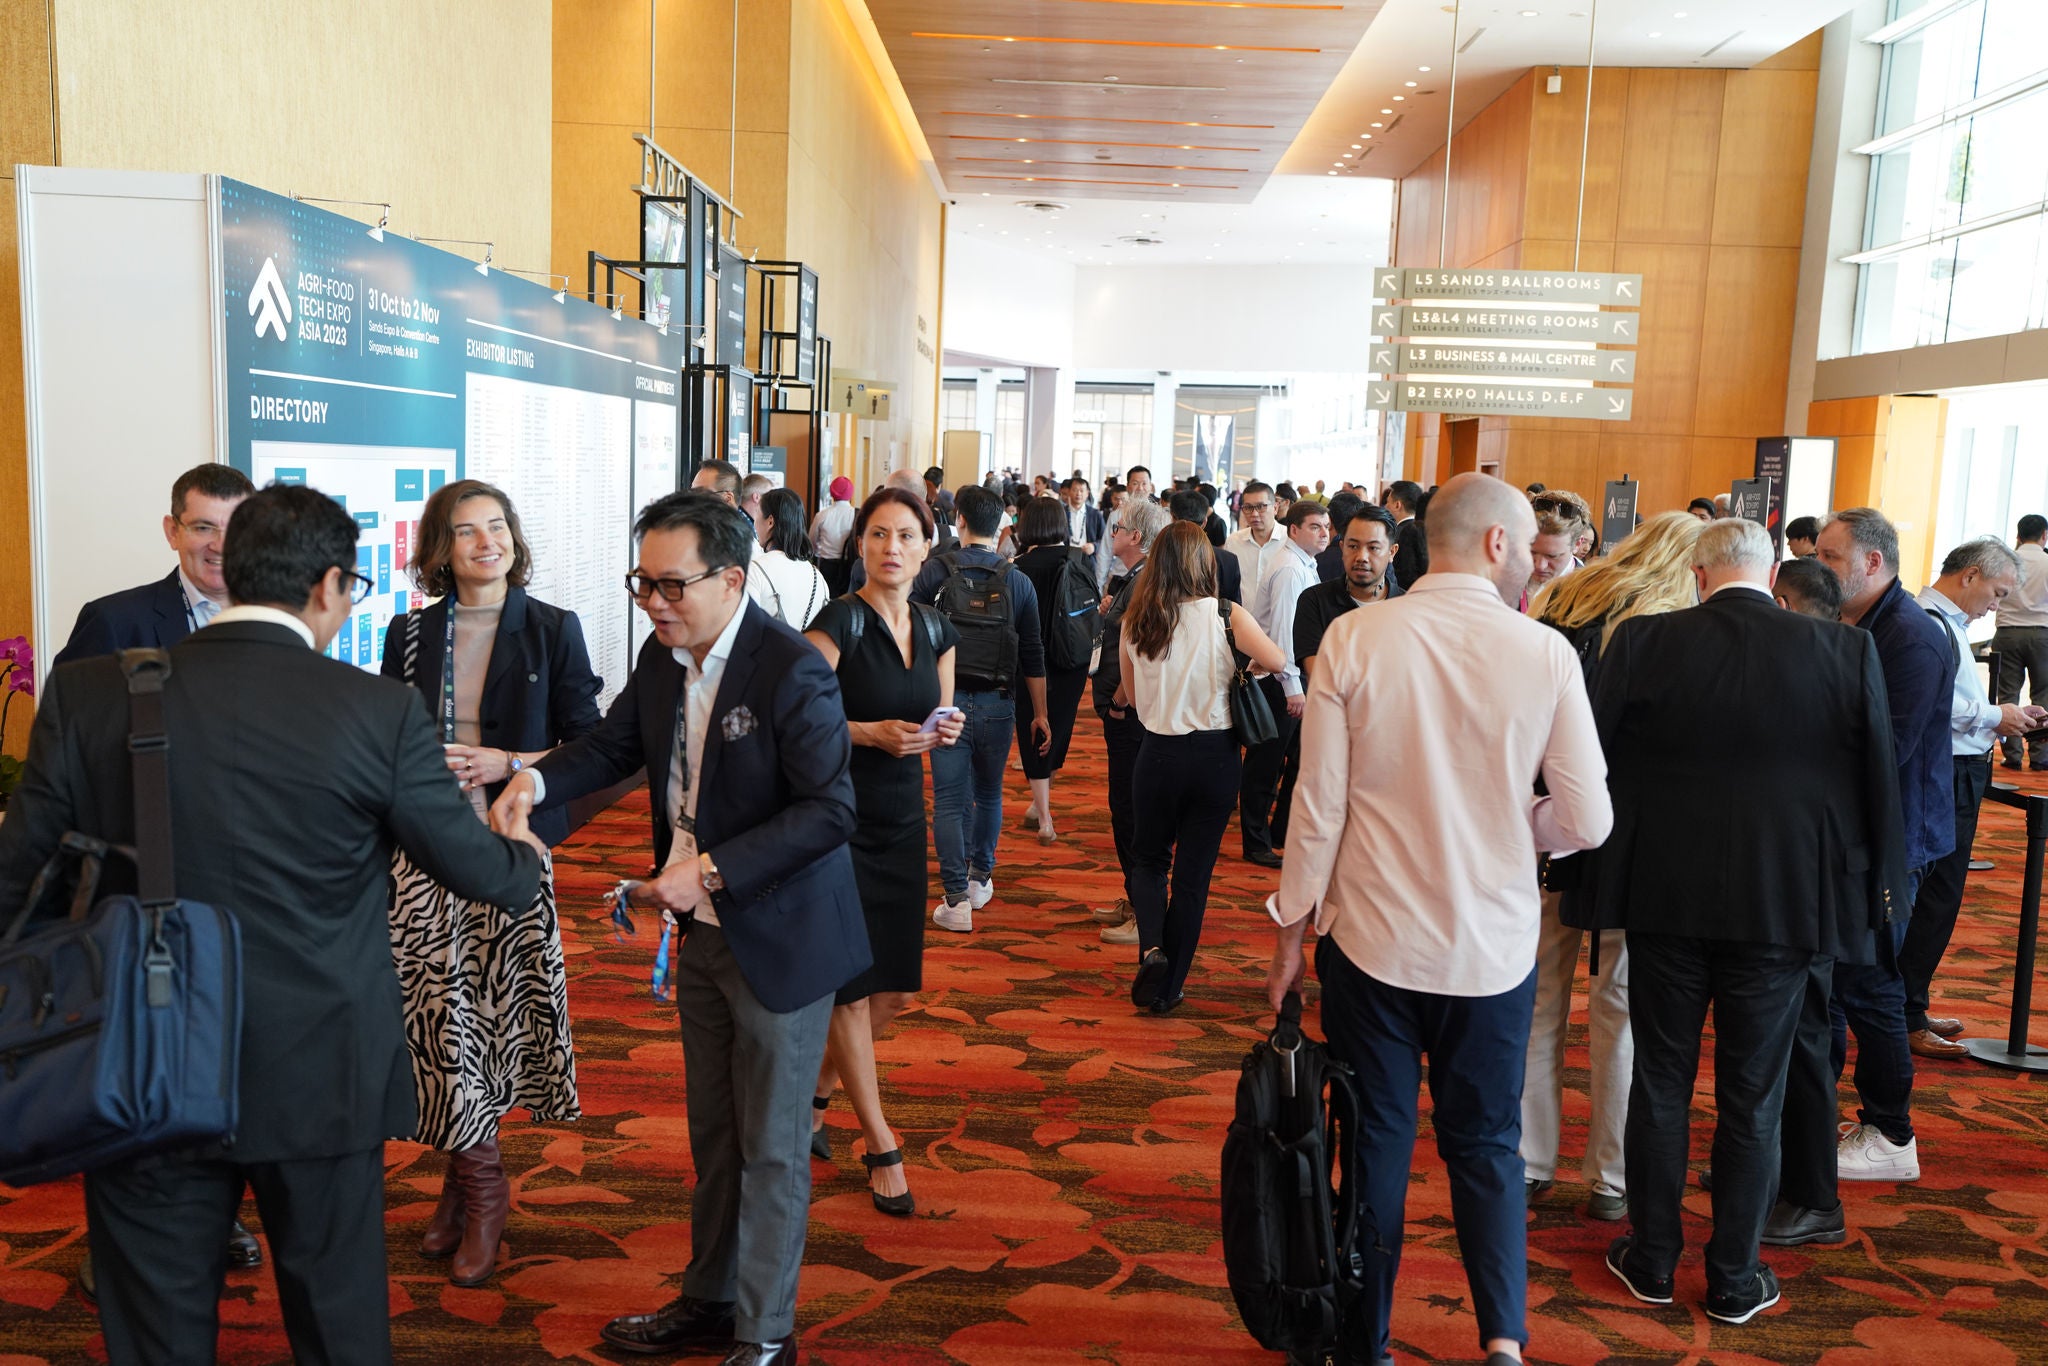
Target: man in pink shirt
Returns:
[1414, 846]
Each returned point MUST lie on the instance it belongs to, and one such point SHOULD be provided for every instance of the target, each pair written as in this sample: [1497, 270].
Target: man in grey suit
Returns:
[737, 721]
[292, 778]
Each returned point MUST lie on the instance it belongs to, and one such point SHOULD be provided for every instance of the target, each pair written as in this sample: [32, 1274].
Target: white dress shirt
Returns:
[1972, 717]
[1255, 559]
[2027, 605]
[1293, 574]
[202, 608]
[830, 528]
[269, 616]
[1414, 843]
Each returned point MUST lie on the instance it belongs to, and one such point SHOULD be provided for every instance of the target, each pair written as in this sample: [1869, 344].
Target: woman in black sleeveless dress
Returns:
[895, 665]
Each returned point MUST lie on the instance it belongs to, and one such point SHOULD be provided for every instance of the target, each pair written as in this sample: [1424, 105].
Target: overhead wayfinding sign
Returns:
[1505, 399]
[1534, 361]
[1510, 286]
[1493, 320]
[1505, 343]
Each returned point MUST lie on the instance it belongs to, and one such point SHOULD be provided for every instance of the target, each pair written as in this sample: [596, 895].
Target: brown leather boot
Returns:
[486, 1200]
[444, 1230]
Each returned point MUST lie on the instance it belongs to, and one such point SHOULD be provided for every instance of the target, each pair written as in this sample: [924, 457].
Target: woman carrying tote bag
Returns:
[1178, 671]
[506, 678]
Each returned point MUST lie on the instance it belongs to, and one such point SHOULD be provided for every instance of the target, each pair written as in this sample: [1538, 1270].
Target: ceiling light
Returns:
[1386, 111]
[1679, 15]
[1656, 35]
[1347, 156]
[1109, 78]
[1368, 137]
[1329, 173]
[1354, 146]
[1422, 68]
[1376, 125]
[1409, 84]
[1528, 14]
[1398, 97]
[1336, 163]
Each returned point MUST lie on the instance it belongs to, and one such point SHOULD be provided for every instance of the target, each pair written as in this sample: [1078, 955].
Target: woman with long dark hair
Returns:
[1177, 670]
[1044, 553]
[787, 561]
[506, 678]
[894, 659]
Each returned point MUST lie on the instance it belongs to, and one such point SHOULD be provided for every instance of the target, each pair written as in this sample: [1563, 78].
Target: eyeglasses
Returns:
[645, 586]
[1253, 507]
[362, 587]
[205, 531]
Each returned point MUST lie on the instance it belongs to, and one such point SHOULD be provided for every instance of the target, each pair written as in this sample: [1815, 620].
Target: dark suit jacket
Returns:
[292, 777]
[774, 811]
[149, 616]
[1411, 551]
[1749, 754]
[538, 692]
[1919, 659]
[1229, 575]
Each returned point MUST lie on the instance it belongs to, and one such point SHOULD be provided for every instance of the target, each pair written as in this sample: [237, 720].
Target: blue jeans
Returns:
[1477, 1048]
[967, 791]
[1870, 999]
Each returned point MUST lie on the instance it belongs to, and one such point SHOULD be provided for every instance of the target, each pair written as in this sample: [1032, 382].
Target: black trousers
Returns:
[159, 1229]
[1941, 892]
[1807, 1138]
[1122, 739]
[1754, 991]
[1260, 784]
[1183, 787]
[1289, 772]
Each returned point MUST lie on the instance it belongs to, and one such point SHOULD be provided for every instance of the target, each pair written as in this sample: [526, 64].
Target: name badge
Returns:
[686, 840]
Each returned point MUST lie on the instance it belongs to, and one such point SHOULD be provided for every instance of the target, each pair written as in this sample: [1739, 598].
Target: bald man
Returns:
[1418, 843]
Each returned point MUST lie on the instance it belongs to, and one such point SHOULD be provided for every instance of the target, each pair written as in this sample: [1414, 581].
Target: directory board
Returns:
[377, 370]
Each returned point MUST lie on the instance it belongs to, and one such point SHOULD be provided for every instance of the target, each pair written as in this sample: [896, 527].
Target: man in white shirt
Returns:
[1263, 776]
[1258, 544]
[2021, 641]
[830, 531]
[1975, 578]
[1414, 849]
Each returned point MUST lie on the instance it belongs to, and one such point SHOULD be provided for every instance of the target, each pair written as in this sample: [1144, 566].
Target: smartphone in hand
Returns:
[938, 717]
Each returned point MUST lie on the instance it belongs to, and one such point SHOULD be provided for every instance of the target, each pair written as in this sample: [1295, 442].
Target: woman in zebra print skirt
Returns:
[506, 678]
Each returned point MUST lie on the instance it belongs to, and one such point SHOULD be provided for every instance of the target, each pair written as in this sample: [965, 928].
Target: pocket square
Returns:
[736, 723]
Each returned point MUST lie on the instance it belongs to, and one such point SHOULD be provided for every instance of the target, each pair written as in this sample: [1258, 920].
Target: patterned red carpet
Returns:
[1063, 1151]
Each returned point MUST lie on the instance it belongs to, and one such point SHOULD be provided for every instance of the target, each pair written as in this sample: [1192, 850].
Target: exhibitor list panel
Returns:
[377, 370]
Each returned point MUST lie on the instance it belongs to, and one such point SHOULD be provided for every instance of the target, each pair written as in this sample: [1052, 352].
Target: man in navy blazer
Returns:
[751, 817]
[164, 611]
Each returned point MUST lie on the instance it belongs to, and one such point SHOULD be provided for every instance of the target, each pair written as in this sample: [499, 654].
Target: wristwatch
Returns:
[708, 872]
[513, 763]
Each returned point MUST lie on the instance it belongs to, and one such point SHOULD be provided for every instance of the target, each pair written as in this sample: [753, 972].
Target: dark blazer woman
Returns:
[538, 692]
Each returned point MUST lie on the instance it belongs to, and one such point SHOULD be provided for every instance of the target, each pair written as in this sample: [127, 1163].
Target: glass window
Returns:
[956, 406]
[1994, 279]
[1931, 69]
[1009, 452]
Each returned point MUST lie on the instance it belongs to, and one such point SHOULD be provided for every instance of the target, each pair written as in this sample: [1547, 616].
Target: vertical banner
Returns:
[1773, 462]
[806, 326]
[1750, 499]
[732, 309]
[739, 417]
[1617, 513]
[1215, 441]
[700, 260]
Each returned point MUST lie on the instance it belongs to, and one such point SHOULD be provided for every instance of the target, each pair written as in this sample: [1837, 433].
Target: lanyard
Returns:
[191, 617]
[448, 679]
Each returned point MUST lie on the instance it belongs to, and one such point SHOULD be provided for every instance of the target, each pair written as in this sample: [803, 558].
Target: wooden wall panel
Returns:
[1766, 142]
[1910, 483]
[1557, 131]
[1670, 156]
[1718, 461]
[1660, 465]
[28, 134]
[1746, 340]
[1674, 309]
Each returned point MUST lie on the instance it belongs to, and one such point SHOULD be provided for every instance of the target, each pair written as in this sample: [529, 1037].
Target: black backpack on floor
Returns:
[1291, 1239]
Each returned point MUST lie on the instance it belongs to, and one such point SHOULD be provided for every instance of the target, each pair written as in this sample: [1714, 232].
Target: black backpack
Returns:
[977, 600]
[1291, 1240]
[1076, 615]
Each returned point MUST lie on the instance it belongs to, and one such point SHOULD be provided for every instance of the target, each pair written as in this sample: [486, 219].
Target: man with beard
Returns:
[1368, 547]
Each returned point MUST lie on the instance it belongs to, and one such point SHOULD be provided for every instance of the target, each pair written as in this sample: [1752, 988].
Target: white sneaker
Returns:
[959, 919]
[1865, 1154]
[979, 894]
[1126, 933]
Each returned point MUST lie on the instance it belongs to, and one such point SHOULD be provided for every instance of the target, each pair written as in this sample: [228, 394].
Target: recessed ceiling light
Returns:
[1329, 173]
[1347, 157]
[1422, 68]
[1679, 15]
[1386, 111]
[1528, 14]
[1368, 137]
[1109, 78]
[1354, 147]
[1376, 125]
[1398, 97]
[1656, 35]
[1409, 84]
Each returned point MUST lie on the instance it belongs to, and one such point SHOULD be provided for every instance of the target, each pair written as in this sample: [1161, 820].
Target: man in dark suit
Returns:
[164, 611]
[1411, 543]
[751, 817]
[292, 777]
[1804, 860]
[1187, 506]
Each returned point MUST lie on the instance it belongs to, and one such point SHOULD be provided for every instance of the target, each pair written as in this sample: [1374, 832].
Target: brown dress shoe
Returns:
[486, 1200]
[444, 1230]
[1947, 1026]
[1925, 1043]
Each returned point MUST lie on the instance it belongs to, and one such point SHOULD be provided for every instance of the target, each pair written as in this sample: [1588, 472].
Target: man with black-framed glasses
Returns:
[164, 611]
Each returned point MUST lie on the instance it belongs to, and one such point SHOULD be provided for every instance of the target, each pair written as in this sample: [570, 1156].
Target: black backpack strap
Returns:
[149, 757]
[933, 631]
[856, 624]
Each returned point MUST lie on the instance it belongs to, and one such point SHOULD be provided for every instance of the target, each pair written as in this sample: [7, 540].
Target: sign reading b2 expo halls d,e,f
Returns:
[376, 371]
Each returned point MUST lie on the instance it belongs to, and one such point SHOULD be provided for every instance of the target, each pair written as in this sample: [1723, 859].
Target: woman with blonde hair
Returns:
[1650, 571]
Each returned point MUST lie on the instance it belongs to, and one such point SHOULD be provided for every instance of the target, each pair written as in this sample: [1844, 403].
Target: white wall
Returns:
[1290, 319]
[1014, 307]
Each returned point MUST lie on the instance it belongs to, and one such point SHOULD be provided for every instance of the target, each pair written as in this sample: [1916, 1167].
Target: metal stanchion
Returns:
[2014, 1052]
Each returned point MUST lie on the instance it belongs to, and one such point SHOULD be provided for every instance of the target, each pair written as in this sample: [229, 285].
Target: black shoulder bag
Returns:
[1251, 715]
